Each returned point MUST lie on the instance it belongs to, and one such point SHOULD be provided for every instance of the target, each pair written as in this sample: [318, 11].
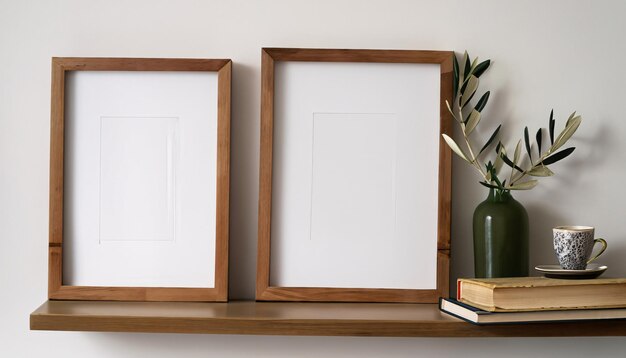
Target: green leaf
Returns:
[455, 148]
[482, 102]
[488, 175]
[498, 147]
[527, 142]
[527, 185]
[495, 178]
[551, 127]
[567, 133]
[539, 138]
[508, 162]
[468, 92]
[518, 152]
[490, 140]
[558, 156]
[490, 186]
[472, 122]
[541, 171]
[455, 66]
[468, 65]
[481, 67]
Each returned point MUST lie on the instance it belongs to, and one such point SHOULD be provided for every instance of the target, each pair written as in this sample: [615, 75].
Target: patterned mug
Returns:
[573, 246]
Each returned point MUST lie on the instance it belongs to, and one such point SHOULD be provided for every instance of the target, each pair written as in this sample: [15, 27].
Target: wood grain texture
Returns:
[56, 288]
[264, 290]
[443, 273]
[265, 174]
[445, 155]
[357, 55]
[139, 64]
[57, 130]
[151, 294]
[55, 220]
[293, 319]
[331, 294]
[223, 182]
[55, 269]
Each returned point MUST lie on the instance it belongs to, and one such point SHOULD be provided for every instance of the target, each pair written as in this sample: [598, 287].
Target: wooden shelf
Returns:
[281, 318]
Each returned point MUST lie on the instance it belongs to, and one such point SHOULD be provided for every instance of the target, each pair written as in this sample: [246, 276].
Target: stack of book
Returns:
[536, 299]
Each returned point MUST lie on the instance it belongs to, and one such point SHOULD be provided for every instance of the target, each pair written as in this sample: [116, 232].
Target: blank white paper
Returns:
[140, 179]
[137, 178]
[354, 157]
[355, 175]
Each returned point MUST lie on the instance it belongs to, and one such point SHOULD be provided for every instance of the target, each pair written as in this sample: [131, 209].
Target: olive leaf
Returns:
[450, 110]
[490, 186]
[499, 161]
[495, 179]
[466, 66]
[539, 138]
[472, 122]
[551, 126]
[473, 65]
[482, 102]
[518, 152]
[500, 147]
[490, 140]
[527, 142]
[508, 162]
[455, 147]
[527, 185]
[482, 67]
[466, 82]
[569, 119]
[558, 156]
[489, 167]
[469, 90]
[567, 133]
[541, 171]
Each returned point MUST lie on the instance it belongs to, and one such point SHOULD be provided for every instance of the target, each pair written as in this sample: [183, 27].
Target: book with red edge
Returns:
[515, 294]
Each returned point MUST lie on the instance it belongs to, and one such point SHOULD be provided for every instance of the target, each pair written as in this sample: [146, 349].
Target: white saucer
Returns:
[555, 271]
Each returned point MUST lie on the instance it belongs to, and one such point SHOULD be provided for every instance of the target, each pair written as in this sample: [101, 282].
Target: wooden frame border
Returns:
[56, 288]
[265, 292]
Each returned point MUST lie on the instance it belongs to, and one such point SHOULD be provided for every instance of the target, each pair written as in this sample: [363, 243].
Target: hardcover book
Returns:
[477, 316]
[540, 293]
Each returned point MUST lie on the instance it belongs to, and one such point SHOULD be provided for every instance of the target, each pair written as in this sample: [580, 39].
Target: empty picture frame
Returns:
[354, 198]
[139, 179]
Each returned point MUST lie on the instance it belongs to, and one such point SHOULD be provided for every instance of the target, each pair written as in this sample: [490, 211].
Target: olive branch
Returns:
[466, 81]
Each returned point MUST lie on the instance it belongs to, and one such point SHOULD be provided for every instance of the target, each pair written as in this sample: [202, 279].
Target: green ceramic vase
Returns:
[500, 237]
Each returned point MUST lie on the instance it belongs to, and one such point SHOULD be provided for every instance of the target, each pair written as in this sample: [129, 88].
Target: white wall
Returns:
[564, 55]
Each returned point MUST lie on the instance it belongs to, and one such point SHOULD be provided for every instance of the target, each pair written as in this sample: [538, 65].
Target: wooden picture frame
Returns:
[58, 288]
[266, 290]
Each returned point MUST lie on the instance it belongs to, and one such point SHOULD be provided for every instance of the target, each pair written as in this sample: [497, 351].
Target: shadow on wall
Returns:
[581, 167]
[542, 219]
[244, 178]
[543, 207]
[224, 346]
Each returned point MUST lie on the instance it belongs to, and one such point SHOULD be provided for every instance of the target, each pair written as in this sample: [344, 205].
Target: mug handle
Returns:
[603, 242]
